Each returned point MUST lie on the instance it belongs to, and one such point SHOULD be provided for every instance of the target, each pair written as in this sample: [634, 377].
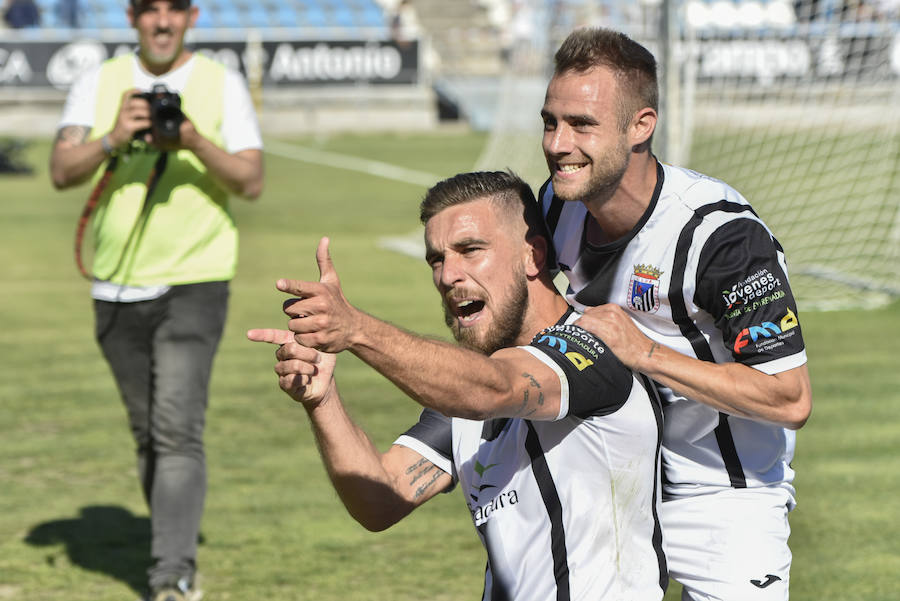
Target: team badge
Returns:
[643, 289]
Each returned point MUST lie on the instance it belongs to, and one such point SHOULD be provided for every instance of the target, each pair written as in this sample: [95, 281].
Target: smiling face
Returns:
[586, 147]
[477, 257]
[161, 26]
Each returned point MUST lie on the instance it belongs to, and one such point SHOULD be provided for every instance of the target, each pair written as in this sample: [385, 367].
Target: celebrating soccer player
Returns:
[553, 441]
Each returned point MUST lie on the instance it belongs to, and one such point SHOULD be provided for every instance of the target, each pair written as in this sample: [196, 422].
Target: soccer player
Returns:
[691, 289]
[552, 440]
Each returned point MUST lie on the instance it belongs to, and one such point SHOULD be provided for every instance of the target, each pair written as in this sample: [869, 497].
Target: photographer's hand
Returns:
[240, 172]
[188, 138]
[75, 159]
[134, 116]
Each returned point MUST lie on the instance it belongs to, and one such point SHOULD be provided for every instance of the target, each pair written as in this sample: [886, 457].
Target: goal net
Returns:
[796, 104]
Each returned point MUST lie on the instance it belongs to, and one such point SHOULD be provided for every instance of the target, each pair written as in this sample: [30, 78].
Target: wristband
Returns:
[107, 147]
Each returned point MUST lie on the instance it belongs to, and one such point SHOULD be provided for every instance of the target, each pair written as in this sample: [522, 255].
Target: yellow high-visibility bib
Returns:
[184, 232]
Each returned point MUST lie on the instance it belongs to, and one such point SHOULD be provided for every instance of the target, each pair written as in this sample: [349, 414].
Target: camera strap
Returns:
[155, 173]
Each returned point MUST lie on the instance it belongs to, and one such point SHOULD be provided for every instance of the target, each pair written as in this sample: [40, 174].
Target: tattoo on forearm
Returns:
[420, 469]
[424, 488]
[526, 408]
[416, 465]
[73, 134]
[652, 348]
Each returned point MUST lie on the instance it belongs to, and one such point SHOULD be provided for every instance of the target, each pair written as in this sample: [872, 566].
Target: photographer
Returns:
[175, 134]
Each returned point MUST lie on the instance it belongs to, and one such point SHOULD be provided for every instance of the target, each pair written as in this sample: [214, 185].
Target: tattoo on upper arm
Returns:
[73, 134]
[527, 407]
[419, 470]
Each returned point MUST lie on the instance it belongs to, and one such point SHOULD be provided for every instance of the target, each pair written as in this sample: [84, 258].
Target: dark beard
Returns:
[505, 329]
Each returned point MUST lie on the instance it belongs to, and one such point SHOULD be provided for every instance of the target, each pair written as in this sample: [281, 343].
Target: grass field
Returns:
[73, 526]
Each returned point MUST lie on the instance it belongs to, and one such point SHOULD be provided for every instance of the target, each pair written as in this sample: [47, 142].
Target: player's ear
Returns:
[642, 126]
[536, 261]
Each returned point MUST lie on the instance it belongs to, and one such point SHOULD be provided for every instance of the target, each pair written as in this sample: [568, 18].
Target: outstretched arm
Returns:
[378, 489]
[733, 388]
[445, 377]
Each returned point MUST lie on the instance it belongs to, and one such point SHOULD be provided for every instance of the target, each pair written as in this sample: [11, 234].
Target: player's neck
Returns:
[545, 307]
[616, 214]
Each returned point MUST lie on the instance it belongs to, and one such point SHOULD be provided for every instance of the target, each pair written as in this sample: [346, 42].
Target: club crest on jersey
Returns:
[643, 289]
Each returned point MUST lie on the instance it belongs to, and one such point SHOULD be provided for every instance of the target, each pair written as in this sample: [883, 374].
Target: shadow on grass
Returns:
[103, 538]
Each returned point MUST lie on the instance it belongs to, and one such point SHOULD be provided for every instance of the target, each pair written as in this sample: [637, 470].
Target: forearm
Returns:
[445, 377]
[73, 165]
[733, 388]
[241, 172]
[355, 466]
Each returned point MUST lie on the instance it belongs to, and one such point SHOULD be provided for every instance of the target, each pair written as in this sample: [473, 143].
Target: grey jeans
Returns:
[161, 353]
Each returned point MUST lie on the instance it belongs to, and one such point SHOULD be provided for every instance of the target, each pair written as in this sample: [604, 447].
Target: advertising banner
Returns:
[37, 63]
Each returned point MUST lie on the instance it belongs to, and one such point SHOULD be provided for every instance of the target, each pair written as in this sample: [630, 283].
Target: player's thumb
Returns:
[327, 273]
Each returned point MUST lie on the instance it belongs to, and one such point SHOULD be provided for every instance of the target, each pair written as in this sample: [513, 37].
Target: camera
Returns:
[165, 113]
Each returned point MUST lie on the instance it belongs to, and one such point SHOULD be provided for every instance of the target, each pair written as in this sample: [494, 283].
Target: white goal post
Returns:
[794, 103]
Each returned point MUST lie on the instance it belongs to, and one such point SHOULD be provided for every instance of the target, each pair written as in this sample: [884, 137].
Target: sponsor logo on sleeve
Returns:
[752, 292]
[577, 345]
[643, 289]
[766, 336]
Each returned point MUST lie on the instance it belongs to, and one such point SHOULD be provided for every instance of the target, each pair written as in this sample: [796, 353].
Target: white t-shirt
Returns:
[240, 128]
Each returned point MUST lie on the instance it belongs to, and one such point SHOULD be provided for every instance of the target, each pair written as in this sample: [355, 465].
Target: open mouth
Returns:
[468, 310]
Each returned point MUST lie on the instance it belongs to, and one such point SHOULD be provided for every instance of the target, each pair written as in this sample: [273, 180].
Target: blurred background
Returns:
[795, 103]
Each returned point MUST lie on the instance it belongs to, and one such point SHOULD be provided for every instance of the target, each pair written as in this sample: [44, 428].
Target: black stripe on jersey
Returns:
[729, 453]
[656, 403]
[545, 483]
[692, 333]
[598, 263]
[498, 591]
[493, 427]
[551, 220]
[553, 213]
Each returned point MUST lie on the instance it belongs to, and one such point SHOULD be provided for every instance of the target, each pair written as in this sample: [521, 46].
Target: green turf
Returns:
[73, 525]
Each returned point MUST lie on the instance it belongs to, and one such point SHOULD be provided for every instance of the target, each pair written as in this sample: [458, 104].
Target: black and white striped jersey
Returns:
[702, 274]
[566, 509]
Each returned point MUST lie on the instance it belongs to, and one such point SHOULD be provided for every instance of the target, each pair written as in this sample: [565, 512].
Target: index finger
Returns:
[270, 335]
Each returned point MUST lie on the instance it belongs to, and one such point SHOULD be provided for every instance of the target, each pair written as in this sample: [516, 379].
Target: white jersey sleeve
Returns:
[81, 101]
[240, 128]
